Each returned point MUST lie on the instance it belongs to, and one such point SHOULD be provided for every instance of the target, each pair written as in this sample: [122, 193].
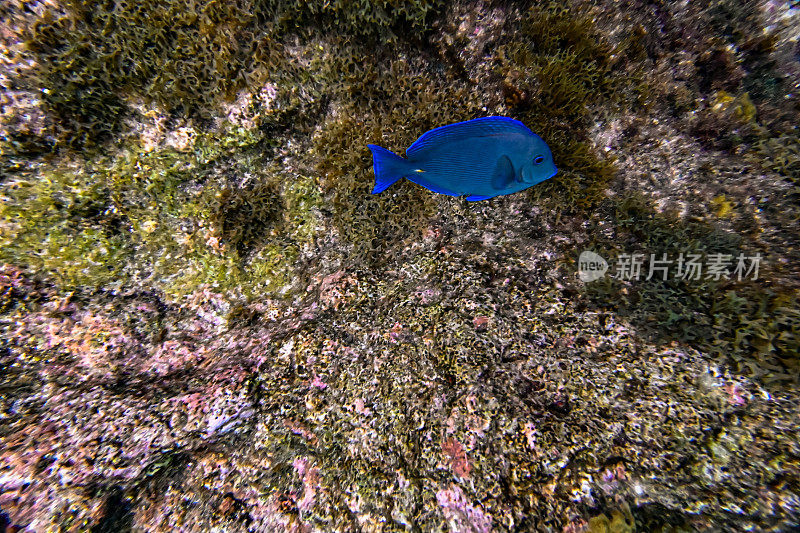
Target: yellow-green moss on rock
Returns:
[92, 54]
[755, 330]
[91, 57]
[213, 214]
[401, 104]
[556, 69]
[60, 223]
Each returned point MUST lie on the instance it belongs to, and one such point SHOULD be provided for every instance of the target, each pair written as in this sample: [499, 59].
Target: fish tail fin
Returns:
[389, 167]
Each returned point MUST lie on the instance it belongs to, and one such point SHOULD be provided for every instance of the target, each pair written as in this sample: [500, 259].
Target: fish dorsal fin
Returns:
[479, 127]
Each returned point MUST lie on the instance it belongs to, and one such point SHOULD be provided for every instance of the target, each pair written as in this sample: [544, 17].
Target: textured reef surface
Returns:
[207, 323]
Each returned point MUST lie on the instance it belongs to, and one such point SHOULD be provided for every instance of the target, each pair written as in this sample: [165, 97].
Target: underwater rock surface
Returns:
[208, 323]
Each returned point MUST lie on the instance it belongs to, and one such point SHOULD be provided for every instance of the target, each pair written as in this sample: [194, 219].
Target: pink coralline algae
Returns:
[480, 322]
[300, 429]
[310, 476]
[216, 411]
[457, 457]
[460, 514]
[318, 383]
[735, 394]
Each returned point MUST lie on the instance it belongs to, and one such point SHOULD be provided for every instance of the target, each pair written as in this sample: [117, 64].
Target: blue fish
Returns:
[480, 158]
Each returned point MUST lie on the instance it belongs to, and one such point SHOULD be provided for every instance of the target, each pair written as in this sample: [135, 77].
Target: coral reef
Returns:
[208, 323]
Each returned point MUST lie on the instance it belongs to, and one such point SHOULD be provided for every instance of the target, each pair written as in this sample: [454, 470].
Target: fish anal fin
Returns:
[431, 186]
[477, 197]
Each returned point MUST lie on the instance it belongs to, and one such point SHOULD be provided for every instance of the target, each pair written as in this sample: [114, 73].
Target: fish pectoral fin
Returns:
[503, 173]
[476, 197]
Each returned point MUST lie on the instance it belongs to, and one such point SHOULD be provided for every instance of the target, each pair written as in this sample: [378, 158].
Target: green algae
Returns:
[551, 66]
[556, 70]
[91, 54]
[742, 324]
[399, 105]
[740, 26]
[215, 229]
[780, 154]
[59, 223]
[245, 215]
[92, 57]
[620, 521]
[386, 20]
[559, 61]
[760, 331]
[303, 202]
[176, 220]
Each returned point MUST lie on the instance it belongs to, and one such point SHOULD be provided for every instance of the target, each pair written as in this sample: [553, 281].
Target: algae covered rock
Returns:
[208, 323]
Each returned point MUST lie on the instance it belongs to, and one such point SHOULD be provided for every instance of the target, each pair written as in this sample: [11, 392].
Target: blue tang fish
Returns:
[480, 158]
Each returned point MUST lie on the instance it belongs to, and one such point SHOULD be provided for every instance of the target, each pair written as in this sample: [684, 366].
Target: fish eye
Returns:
[538, 160]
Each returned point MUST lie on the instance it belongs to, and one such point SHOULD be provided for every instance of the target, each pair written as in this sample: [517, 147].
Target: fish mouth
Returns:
[529, 178]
